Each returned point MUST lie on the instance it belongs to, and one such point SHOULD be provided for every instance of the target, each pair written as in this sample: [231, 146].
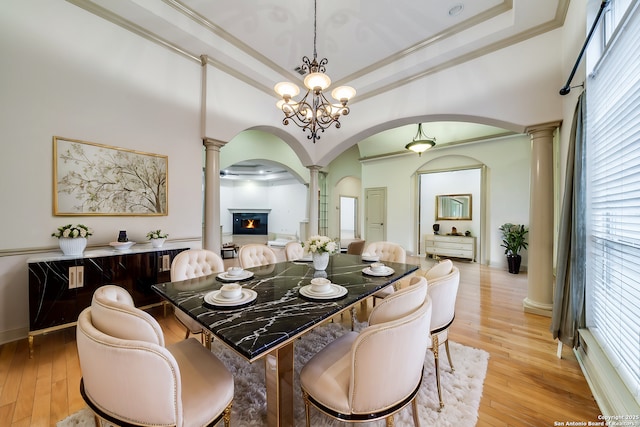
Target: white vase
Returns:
[72, 246]
[157, 243]
[320, 260]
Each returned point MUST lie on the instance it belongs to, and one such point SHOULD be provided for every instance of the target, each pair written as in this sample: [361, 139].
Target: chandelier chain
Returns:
[314, 112]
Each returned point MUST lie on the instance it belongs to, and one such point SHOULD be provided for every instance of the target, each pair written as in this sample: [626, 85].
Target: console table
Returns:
[60, 287]
[451, 246]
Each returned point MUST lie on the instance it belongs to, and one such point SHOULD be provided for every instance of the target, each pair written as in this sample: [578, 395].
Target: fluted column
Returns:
[539, 298]
[314, 204]
[211, 238]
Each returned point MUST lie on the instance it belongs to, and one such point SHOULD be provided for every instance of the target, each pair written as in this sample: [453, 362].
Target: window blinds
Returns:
[613, 212]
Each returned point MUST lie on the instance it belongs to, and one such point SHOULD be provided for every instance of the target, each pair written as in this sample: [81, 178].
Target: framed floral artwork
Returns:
[96, 179]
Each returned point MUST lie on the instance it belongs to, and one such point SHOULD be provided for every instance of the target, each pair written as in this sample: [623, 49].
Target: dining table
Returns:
[276, 306]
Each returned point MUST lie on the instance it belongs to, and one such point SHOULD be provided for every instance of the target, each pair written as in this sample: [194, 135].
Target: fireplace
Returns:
[251, 223]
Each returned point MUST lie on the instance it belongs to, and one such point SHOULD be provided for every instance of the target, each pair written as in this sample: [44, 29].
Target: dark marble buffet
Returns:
[60, 287]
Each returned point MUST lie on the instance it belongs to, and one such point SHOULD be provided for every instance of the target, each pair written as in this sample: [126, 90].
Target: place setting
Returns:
[366, 256]
[378, 269]
[230, 296]
[235, 274]
[322, 289]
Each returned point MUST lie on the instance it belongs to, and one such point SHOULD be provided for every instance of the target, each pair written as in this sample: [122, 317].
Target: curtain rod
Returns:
[567, 88]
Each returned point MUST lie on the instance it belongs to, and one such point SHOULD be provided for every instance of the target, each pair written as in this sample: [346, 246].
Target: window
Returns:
[613, 200]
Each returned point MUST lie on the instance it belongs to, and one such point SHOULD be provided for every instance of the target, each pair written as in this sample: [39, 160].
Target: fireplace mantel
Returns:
[248, 210]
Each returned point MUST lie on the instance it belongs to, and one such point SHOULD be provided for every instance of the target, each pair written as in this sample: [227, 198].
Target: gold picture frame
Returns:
[453, 207]
[97, 179]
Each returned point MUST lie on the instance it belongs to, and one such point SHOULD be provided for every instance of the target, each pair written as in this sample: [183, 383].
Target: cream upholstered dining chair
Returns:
[293, 250]
[443, 281]
[344, 380]
[129, 377]
[255, 255]
[188, 265]
[390, 252]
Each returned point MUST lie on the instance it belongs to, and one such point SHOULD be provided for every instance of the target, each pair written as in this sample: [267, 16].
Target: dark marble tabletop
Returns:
[278, 313]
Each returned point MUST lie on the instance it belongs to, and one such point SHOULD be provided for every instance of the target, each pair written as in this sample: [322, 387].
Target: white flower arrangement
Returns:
[72, 231]
[321, 244]
[156, 234]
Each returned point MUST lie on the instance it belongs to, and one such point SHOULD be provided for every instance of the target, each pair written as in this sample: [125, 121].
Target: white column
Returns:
[540, 262]
[314, 203]
[211, 237]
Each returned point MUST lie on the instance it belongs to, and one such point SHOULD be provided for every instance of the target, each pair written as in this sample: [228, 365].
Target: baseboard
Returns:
[611, 394]
[13, 335]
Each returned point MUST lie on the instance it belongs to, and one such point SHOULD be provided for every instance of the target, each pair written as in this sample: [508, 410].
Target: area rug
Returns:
[462, 389]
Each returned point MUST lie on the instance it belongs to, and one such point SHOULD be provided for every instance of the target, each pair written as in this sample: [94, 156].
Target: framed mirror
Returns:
[453, 207]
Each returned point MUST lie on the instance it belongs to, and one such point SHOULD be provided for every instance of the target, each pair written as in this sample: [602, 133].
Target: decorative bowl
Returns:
[122, 246]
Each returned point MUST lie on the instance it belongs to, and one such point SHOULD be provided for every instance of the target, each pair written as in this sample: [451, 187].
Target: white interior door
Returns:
[375, 214]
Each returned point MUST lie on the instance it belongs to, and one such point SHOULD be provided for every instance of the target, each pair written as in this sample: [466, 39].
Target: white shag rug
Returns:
[462, 389]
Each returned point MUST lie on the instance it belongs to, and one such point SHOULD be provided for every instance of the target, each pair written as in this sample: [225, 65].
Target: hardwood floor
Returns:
[526, 384]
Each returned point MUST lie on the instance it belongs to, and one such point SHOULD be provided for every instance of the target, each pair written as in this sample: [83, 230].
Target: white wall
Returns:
[66, 72]
[286, 199]
[507, 193]
[467, 181]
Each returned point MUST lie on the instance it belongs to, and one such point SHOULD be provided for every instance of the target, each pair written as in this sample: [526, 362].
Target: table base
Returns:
[279, 383]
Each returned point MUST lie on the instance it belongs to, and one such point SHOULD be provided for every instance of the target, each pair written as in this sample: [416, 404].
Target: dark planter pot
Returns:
[514, 263]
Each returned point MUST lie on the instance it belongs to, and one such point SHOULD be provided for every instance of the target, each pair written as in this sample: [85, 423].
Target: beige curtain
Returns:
[569, 301]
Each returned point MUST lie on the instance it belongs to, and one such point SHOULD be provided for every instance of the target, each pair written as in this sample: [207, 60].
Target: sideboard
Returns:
[60, 287]
[451, 246]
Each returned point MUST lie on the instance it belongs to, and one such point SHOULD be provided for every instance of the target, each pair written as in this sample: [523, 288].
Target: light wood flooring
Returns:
[526, 384]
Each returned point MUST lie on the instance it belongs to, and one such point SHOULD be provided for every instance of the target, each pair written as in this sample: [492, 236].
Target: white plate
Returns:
[336, 292]
[214, 298]
[122, 246]
[371, 258]
[226, 276]
[386, 272]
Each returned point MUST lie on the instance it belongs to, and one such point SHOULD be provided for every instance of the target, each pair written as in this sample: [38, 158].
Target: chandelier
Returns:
[421, 142]
[314, 112]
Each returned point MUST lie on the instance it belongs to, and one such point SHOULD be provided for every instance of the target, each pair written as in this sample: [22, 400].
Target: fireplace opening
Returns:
[250, 223]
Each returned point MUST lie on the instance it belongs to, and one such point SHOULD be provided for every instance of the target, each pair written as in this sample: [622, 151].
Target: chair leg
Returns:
[227, 415]
[435, 344]
[390, 422]
[353, 317]
[446, 346]
[186, 335]
[305, 397]
[416, 418]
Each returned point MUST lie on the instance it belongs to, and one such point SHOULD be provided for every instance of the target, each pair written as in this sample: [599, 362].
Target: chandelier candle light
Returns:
[313, 112]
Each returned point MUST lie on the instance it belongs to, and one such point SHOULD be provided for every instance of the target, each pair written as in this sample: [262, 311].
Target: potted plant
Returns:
[72, 238]
[513, 240]
[157, 238]
[320, 248]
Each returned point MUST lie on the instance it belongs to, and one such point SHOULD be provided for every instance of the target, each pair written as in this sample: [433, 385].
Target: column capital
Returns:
[544, 128]
[314, 168]
[204, 60]
[213, 143]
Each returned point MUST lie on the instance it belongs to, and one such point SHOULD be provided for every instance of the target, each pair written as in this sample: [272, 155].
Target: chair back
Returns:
[356, 247]
[388, 360]
[293, 251]
[114, 314]
[441, 269]
[255, 255]
[120, 364]
[443, 292]
[195, 263]
[400, 303]
[388, 251]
